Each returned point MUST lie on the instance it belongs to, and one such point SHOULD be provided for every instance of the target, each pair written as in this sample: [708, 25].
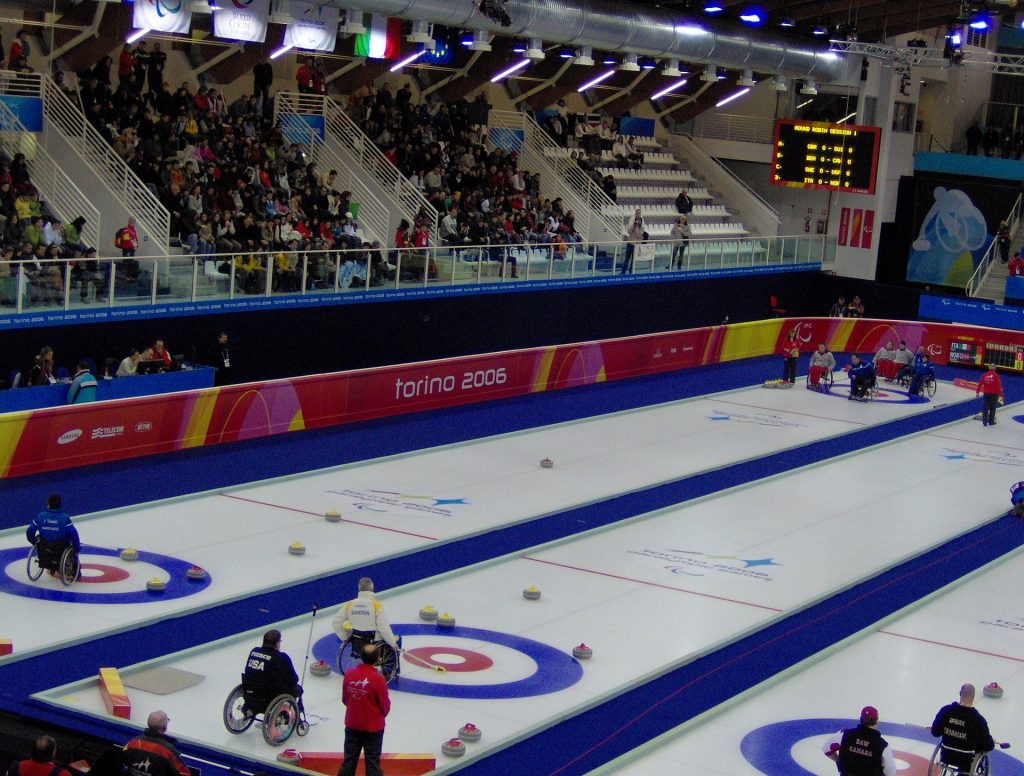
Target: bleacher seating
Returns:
[645, 174]
[668, 211]
[629, 193]
[650, 157]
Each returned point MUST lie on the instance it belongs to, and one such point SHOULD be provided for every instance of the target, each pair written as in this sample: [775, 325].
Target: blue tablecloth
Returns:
[118, 388]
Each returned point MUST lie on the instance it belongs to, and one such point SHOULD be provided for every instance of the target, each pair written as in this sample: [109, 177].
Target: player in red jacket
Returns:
[992, 388]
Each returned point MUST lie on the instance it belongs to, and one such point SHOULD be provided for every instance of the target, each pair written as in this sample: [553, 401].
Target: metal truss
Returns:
[1003, 64]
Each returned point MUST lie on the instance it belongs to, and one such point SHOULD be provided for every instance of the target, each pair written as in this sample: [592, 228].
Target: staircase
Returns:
[56, 189]
[371, 177]
[994, 284]
[596, 217]
[89, 159]
[742, 202]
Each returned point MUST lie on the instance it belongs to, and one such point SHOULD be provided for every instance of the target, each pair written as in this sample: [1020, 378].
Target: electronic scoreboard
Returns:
[968, 352]
[964, 352]
[819, 155]
[1005, 356]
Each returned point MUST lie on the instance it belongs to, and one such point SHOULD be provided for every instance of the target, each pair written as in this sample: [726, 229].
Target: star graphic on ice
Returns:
[441, 501]
[759, 562]
[955, 457]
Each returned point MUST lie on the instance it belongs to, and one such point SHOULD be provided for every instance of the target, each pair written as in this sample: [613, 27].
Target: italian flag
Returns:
[382, 39]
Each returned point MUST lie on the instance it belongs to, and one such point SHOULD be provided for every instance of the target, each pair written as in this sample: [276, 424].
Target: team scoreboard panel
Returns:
[819, 155]
[969, 352]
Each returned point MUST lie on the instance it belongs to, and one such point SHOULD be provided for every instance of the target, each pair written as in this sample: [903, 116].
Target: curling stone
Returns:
[531, 593]
[129, 554]
[428, 613]
[289, 756]
[469, 732]
[332, 517]
[992, 690]
[582, 652]
[445, 621]
[547, 463]
[320, 668]
[453, 747]
[155, 585]
[197, 573]
[296, 548]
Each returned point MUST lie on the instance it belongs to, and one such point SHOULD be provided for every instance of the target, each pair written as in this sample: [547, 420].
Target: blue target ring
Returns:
[769, 748]
[555, 669]
[887, 395]
[178, 586]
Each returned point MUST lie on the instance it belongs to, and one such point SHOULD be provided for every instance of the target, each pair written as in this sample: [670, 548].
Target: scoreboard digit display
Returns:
[1005, 356]
[964, 352]
[819, 155]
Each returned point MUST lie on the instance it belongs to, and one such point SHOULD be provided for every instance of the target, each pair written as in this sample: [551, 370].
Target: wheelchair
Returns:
[979, 766]
[824, 382]
[870, 391]
[279, 716]
[927, 387]
[387, 659]
[62, 559]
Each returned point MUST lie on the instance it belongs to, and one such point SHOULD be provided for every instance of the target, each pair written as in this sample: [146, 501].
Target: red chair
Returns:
[773, 303]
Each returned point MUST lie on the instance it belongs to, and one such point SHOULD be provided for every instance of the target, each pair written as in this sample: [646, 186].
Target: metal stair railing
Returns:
[63, 198]
[151, 217]
[364, 154]
[985, 265]
[540, 153]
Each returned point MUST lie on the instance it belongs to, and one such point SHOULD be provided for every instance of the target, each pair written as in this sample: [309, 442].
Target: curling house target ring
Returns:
[555, 670]
[178, 583]
[453, 659]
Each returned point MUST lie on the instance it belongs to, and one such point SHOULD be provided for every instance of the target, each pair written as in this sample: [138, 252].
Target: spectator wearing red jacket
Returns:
[41, 762]
[1015, 266]
[992, 389]
[365, 695]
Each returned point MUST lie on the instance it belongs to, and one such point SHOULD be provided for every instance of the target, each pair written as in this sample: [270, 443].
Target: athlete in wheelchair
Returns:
[270, 693]
[922, 378]
[362, 621]
[55, 544]
[819, 373]
[863, 382]
[966, 741]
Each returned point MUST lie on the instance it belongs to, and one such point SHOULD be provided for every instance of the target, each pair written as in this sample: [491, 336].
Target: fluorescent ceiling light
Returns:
[595, 81]
[408, 60]
[669, 89]
[137, 35]
[844, 119]
[805, 103]
[280, 51]
[731, 97]
[511, 69]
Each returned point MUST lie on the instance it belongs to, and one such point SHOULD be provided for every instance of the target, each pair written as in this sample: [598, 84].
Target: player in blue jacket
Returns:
[862, 377]
[1017, 499]
[921, 371]
[54, 525]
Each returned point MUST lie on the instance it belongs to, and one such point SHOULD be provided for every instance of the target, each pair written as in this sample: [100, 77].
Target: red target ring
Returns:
[452, 659]
[106, 574]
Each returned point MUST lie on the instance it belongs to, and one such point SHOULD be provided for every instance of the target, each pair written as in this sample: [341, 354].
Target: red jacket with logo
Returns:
[990, 383]
[365, 695]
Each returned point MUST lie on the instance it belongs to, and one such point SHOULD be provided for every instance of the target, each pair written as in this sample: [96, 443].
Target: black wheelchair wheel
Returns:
[280, 720]
[236, 718]
[929, 387]
[33, 566]
[980, 766]
[827, 379]
[387, 662]
[346, 660]
[69, 566]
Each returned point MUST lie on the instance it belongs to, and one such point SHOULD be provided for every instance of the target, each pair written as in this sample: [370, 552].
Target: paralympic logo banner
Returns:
[313, 27]
[171, 16]
[242, 20]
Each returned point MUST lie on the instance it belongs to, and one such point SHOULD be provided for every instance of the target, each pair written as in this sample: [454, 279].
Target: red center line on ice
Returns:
[953, 646]
[651, 584]
[789, 412]
[317, 514]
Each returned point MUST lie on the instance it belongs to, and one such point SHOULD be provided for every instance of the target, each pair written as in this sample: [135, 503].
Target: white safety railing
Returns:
[151, 217]
[373, 215]
[84, 284]
[560, 175]
[985, 266]
[63, 198]
[365, 154]
[757, 212]
[726, 126]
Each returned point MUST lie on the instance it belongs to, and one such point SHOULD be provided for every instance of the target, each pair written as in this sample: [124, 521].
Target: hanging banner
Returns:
[844, 227]
[313, 27]
[382, 39]
[242, 20]
[172, 16]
